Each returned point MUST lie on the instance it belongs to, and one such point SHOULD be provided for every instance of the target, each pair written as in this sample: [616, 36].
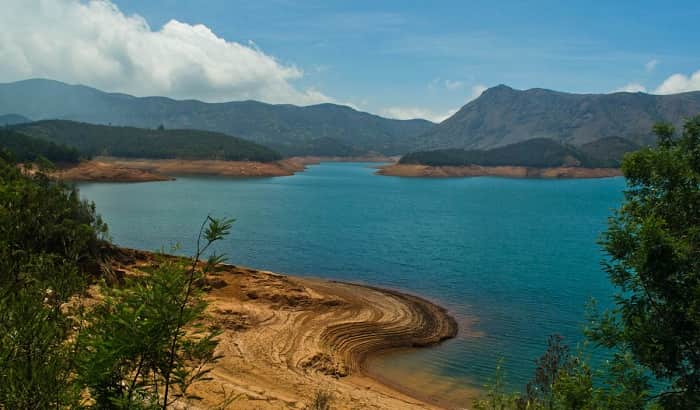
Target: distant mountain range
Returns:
[312, 130]
[503, 116]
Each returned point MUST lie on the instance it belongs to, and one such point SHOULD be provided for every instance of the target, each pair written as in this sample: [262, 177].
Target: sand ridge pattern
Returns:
[284, 338]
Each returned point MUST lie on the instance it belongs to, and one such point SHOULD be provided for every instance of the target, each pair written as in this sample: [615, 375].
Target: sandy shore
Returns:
[142, 170]
[110, 169]
[287, 337]
[101, 171]
[414, 170]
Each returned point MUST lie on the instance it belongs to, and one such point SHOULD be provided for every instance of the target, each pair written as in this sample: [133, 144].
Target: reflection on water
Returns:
[418, 374]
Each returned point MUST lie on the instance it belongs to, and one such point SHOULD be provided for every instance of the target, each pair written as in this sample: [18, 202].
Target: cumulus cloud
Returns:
[679, 83]
[651, 65]
[631, 88]
[94, 43]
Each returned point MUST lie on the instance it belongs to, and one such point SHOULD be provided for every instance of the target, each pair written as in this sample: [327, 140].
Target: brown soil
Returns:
[106, 169]
[285, 338]
[410, 170]
[101, 171]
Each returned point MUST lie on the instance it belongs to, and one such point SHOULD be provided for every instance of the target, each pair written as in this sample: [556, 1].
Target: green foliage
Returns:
[563, 381]
[653, 247]
[142, 346]
[536, 153]
[497, 397]
[48, 237]
[29, 149]
[653, 243]
[147, 342]
[129, 142]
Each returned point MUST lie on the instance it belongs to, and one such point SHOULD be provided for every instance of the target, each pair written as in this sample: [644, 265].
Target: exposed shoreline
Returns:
[287, 337]
[111, 169]
[426, 171]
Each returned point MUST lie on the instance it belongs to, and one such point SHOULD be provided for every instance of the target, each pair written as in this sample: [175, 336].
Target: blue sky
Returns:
[431, 57]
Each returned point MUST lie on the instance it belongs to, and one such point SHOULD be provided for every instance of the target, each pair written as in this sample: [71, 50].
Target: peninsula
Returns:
[285, 338]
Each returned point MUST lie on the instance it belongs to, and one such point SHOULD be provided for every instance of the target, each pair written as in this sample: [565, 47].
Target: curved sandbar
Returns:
[287, 337]
[427, 171]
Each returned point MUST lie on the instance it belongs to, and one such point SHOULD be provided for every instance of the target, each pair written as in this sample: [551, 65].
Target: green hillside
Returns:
[27, 149]
[129, 142]
[535, 153]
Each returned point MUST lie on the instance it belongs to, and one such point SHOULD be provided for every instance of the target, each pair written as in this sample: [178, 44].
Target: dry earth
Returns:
[285, 338]
[411, 170]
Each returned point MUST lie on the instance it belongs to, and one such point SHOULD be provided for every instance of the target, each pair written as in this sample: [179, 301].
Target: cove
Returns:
[514, 260]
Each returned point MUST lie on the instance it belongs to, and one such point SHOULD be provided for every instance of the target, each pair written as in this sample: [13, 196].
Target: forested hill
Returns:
[130, 142]
[502, 116]
[24, 148]
[284, 127]
[535, 153]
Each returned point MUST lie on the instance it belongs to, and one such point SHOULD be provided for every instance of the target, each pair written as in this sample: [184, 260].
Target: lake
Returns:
[513, 259]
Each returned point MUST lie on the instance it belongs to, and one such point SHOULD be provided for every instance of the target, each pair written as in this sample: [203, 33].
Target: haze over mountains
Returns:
[500, 116]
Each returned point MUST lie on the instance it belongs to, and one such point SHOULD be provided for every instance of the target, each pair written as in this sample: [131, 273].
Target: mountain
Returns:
[284, 127]
[130, 142]
[11, 119]
[502, 116]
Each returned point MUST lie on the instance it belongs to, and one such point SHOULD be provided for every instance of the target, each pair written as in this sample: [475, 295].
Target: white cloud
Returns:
[453, 85]
[409, 113]
[631, 88]
[651, 65]
[679, 83]
[94, 43]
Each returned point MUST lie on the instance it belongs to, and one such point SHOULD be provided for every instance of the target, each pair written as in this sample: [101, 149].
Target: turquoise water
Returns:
[514, 260]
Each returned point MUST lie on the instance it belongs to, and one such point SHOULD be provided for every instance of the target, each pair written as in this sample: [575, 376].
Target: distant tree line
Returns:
[161, 143]
[28, 149]
[535, 153]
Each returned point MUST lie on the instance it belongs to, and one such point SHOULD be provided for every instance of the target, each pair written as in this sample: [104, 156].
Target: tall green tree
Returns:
[653, 243]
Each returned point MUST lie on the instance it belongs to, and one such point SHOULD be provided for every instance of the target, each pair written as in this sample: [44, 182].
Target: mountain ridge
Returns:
[503, 115]
[280, 126]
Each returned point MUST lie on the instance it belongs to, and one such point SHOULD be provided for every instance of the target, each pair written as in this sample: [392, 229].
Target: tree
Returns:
[48, 239]
[148, 342]
[653, 244]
